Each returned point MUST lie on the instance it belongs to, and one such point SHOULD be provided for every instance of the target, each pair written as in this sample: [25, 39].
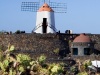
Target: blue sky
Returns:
[83, 16]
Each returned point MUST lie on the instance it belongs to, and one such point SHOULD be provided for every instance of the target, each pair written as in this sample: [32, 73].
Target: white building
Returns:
[45, 22]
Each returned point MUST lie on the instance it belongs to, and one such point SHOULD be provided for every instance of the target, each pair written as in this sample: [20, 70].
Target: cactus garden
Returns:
[22, 64]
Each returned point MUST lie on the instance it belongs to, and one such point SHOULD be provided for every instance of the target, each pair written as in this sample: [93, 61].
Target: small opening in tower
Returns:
[44, 25]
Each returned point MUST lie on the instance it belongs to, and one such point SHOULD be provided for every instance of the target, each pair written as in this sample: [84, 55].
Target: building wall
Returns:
[50, 20]
[80, 46]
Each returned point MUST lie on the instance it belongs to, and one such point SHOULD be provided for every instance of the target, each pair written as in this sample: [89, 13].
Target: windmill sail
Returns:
[34, 6]
[58, 7]
[30, 6]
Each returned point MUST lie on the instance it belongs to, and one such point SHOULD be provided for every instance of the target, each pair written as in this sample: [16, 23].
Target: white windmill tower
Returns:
[45, 20]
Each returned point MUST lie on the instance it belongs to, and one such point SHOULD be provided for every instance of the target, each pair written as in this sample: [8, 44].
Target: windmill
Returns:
[45, 22]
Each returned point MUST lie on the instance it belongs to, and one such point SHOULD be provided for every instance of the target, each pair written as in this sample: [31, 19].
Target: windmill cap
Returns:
[45, 7]
[82, 38]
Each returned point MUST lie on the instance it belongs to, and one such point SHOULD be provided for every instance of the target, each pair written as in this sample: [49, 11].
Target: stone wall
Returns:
[86, 57]
[52, 45]
[35, 44]
[96, 39]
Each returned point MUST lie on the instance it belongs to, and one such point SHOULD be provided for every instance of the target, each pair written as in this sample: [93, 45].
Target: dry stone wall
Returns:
[34, 44]
[48, 44]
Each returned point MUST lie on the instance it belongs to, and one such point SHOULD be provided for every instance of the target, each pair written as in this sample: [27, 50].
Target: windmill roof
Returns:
[45, 7]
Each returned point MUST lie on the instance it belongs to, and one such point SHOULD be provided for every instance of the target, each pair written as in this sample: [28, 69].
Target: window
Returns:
[86, 51]
[75, 51]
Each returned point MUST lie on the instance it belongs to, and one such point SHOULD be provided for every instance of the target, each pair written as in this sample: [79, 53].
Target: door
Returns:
[44, 26]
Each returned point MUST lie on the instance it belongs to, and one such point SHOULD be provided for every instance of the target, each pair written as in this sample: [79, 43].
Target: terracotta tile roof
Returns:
[45, 7]
[82, 38]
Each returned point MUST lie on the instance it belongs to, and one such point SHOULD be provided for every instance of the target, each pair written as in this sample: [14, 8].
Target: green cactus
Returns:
[24, 62]
[21, 68]
[42, 59]
[11, 48]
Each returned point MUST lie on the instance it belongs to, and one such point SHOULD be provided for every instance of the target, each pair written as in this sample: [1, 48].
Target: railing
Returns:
[52, 27]
[40, 25]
